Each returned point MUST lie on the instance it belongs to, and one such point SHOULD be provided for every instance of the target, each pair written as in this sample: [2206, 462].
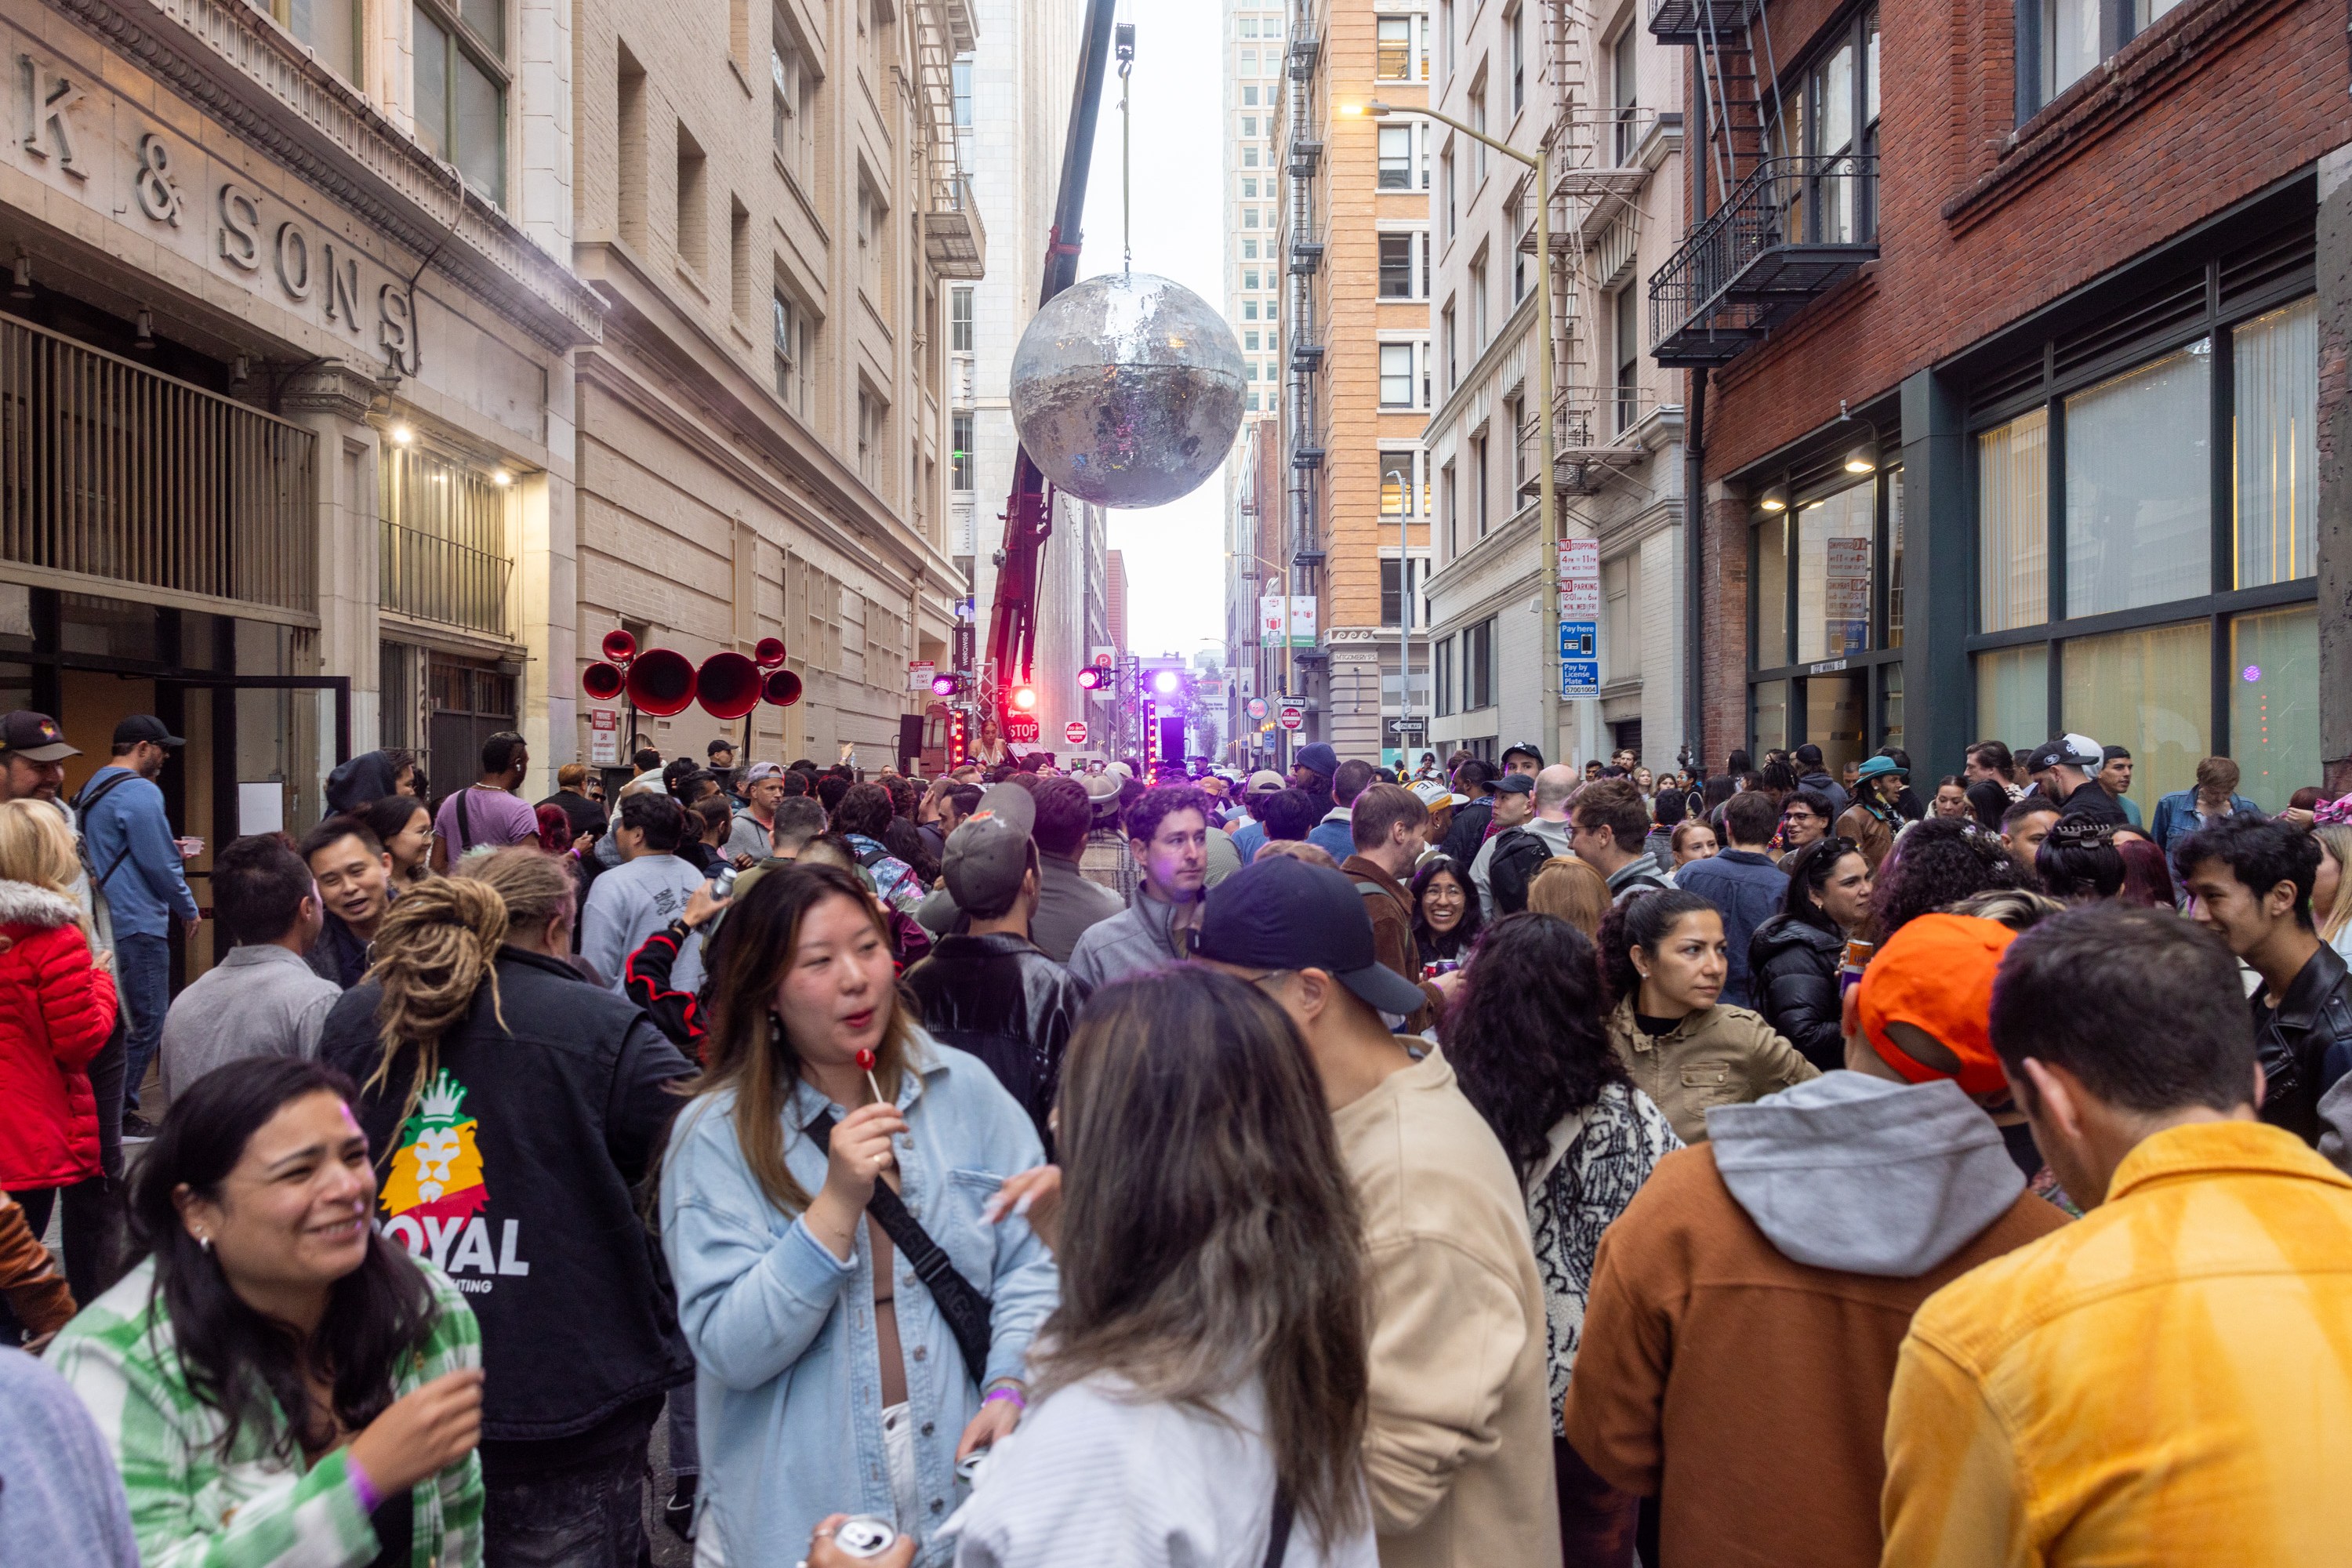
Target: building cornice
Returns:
[238, 66]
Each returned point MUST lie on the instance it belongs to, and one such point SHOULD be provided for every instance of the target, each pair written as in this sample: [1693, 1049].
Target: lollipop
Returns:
[865, 1065]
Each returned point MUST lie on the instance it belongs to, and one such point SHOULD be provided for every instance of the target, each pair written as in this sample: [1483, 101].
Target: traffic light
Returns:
[1093, 678]
[1024, 698]
[947, 683]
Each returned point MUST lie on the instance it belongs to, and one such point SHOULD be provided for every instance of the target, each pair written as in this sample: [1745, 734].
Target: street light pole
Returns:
[1540, 162]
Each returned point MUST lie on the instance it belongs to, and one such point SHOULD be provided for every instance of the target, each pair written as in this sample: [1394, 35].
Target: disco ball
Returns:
[1127, 390]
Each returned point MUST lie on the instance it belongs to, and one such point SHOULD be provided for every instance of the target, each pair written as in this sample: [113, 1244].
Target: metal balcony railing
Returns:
[1684, 21]
[1305, 253]
[954, 240]
[111, 471]
[1790, 232]
[1306, 352]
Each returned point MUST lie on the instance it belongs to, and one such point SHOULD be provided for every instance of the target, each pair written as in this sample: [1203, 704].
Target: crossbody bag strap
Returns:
[465, 826]
[82, 807]
[1278, 1540]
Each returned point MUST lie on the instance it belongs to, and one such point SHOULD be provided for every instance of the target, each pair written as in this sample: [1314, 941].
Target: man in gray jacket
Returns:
[1553, 785]
[261, 998]
[644, 893]
[1166, 833]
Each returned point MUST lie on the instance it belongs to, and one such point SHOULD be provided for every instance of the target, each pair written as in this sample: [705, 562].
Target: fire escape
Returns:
[1775, 226]
[1598, 178]
[1303, 415]
[953, 240]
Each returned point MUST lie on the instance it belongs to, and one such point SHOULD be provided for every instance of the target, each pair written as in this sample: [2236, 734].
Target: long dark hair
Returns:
[1937, 862]
[1457, 942]
[1525, 1036]
[237, 1360]
[1642, 921]
[1809, 871]
[746, 1050]
[1210, 1233]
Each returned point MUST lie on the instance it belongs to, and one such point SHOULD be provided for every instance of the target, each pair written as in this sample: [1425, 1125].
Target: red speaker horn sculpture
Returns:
[603, 683]
[620, 647]
[660, 683]
[781, 688]
[768, 653]
[728, 686]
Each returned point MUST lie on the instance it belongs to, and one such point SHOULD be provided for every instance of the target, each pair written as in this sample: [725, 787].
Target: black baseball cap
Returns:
[1280, 913]
[1523, 750]
[145, 727]
[1515, 784]
[716, 747]
[34, 737]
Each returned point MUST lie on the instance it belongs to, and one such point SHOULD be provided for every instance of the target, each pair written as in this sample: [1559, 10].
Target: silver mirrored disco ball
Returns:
[1127, 390]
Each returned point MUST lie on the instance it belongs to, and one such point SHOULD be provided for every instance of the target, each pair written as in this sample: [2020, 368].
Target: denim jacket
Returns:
[788, 1382]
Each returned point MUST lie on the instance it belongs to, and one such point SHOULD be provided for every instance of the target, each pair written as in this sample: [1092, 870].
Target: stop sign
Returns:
[1075, 732]
[1294, 716]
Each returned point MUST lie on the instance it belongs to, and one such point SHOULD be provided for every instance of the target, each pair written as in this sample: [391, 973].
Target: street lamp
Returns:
[1540, 160]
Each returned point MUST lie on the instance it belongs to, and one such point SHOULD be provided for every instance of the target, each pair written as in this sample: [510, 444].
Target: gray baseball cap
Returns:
[986, 857]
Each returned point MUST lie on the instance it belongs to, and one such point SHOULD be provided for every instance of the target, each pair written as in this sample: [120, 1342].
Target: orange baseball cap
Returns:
[1936, 974]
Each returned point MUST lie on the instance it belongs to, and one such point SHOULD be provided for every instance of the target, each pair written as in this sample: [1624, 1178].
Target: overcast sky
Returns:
[1175, 553]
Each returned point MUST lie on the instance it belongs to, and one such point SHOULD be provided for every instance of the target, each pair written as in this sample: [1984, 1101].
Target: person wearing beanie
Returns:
[1745, 1309]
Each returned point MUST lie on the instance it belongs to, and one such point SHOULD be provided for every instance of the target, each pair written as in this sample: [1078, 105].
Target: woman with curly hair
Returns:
[1527, 1043]
[1445, 917]
[1939, 862]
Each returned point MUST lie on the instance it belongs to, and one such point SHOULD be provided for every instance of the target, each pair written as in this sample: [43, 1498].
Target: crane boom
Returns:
[1028, 514]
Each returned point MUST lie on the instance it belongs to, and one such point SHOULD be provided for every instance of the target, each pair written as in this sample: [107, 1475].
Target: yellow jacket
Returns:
[2167, 1381]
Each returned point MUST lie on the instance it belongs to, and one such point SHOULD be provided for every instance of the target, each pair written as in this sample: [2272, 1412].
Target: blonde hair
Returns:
[436, 947]
[532, 884]
[36, 847]
[2335, 843]
[1569, 889]
[1295, 849]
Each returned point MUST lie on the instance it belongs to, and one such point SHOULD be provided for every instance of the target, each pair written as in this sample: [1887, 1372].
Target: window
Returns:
[1478, 304]
[738, 258]
[1249, 95]
[960, 80]
[1424, 48]
[1477, 124]
[1445, 180]
[1249, 310]
[1249, 62]
[1396, 158]
[1514, 22]
[1249, 217]
[1478, 665]
[1399, 593]
[1629, 356]
[1249, 342]
[1396, 487]
[2273, 702]
[2138, 483]
[1834, 573]
[793, 338]
[2276, 371]
[1441, 675]
[2150, 690]
[461, 87]
[1421, 286]
[1396, 375]
[2059, 41]
[873, 437]
[1249, 125]
[329, 26]
[1620, 627]
[1772, 547]
[960, 454]
[1249, 27]
[629, 112]
[693, 202]
[1478, 478]
[1396, 266]
[1249, 157]
[1393, 59]
[1249, 250]
[1625, 92]
[793, 93]
[873, 229]
[1445, 329]
[2013, 523]
[1445, 38]
[1829, 115]
[960, 319]
[1249, 190]
[1249, 279]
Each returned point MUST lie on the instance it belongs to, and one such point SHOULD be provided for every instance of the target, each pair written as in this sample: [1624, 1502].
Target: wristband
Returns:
[369, 1498]
[1006, 1391]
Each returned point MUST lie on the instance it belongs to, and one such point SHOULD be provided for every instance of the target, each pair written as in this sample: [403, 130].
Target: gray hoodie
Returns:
[1854, 1172]
[628, 904]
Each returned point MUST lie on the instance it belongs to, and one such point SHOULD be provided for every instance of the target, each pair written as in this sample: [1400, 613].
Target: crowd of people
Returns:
[1446, 1167]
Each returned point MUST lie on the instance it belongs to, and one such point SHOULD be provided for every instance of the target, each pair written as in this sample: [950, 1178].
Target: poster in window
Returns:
[1846, 609]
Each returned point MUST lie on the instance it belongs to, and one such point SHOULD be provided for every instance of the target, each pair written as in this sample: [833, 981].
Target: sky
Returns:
[1175, 554]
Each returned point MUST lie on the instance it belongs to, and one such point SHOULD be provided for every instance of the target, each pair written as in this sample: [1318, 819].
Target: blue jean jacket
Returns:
[788, 1381]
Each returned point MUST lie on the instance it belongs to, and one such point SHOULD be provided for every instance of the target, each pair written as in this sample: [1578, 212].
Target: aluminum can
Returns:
[865, 1536]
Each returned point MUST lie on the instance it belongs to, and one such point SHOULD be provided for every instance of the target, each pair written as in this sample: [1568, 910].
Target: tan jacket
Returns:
[1457, 1449]
[1722, 1055]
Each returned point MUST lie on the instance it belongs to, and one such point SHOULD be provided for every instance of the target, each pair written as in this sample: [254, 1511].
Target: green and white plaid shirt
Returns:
[189, 1509]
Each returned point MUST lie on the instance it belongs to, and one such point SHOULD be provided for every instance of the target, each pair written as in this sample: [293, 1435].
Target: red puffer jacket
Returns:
[56, 1012]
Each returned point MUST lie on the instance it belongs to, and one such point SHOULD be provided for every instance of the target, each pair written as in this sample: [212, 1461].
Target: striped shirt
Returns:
[189, 1507]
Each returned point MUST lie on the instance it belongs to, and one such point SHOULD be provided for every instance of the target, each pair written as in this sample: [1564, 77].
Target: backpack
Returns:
[101, 917]
[1518, 855]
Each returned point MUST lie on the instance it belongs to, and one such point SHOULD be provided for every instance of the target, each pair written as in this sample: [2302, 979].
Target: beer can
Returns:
[1857, 959]
[865, 1536]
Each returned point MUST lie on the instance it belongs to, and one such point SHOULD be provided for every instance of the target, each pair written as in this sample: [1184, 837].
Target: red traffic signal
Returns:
[1093, 678]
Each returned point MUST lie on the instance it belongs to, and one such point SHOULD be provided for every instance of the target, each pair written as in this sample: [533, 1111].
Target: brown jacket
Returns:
[1870, 832]
[1746, 1391]
[1722, 1055]
[1391, 907]
[1456, 1444]
[27, 1278]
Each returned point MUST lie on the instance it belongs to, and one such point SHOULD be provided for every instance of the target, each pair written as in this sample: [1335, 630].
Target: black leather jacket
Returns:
[1001, 998]
[2292, 1040]
[1792, 981]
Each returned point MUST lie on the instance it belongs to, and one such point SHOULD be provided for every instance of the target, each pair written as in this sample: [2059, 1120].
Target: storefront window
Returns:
[1772, 594]
[1833, 540]
[2139, 480]
[2150, 690]
[2013, 694]
[1890, 705]
[2275, 702]
[2276, 369]
[1894, 542]
[2013, 523]
[1770, 722]
[1833, 714]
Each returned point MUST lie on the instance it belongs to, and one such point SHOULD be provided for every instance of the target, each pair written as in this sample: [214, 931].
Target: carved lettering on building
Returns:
[294, 261]
[396, 327]
[47, 98]
[159, 196]
[343, 287]
[240, 228]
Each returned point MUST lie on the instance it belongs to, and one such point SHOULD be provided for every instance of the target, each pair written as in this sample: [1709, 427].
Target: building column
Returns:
[332, 399]
[1939, 578]
[1721, 667]
[2334, 241]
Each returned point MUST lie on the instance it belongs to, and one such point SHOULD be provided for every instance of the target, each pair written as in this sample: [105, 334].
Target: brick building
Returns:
[2002, 339]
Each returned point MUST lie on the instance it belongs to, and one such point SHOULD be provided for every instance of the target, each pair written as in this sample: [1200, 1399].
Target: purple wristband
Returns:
[369, 1498]
[1007, 1392]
